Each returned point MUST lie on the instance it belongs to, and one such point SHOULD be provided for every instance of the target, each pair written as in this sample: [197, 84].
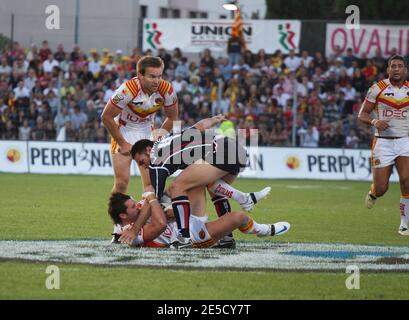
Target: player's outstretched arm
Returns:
[208, 123]
[158, 220]
[108, 116]
[172, 114]
[365, 116]
[142, 217]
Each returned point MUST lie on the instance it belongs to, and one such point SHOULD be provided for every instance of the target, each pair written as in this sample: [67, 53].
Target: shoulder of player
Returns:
[134, 86]
[406, 83]
[165, 87]
[382, 85]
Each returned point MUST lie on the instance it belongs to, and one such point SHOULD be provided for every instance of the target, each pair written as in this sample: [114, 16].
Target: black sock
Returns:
[181, 210]
[222, 206]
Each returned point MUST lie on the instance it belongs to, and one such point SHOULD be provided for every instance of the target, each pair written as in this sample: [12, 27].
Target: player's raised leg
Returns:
[402, 165]
[246, 200]
[379, 186]
[198, 174]
[239, 220]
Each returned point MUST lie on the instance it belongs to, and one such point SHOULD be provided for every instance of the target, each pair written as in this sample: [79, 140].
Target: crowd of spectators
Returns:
[42, 91]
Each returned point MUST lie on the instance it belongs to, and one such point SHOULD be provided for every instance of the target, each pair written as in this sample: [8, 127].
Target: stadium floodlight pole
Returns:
[77, 17]
[294, 129]
[59, 83]
[12, 31]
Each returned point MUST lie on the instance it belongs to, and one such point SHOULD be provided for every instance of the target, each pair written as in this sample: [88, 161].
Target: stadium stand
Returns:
[42, 91]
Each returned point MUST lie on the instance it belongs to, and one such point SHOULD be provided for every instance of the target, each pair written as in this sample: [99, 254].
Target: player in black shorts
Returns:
[204, 158]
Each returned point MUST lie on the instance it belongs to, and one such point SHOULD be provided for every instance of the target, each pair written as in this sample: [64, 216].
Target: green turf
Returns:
[27, 281]
[74, 207]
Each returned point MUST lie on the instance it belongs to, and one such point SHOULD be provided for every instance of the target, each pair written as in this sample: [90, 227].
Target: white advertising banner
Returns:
[368, 39]
[57, 158]
[315, 164]
[264, 163]
[194, 35]
[13, 156]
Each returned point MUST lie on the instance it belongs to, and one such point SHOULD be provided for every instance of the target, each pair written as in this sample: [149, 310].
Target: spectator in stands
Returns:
[182, 69]
[38, 133]
[349, 58]
[250, 87]
[352, 140]
[78, 117]
[62, 118]
[50, 63]
[24, 131]
[207, 59]
[71, 134]
[234, 49]
[60, 54]
[292, 62]
[310, 137]
[94, 65]
[21, 91]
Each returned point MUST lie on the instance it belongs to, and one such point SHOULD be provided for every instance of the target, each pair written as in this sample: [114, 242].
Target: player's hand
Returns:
[158, 134]
[148, 194]
[125, 149]
[149, 189]
[128, 234]
[219, 118]
[381, 125]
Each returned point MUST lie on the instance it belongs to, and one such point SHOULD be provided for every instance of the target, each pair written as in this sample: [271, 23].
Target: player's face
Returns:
[143, 159]
[131, 209]
[151, 79]
[397, 70]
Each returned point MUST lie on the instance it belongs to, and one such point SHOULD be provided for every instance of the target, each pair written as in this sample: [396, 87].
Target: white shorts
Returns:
[385, 151]
[198, 233]
[131, 136]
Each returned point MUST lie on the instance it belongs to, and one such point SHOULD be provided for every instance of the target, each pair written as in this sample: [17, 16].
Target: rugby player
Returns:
[389, 101]
[129, 116]
[204, 159]
[157, 233]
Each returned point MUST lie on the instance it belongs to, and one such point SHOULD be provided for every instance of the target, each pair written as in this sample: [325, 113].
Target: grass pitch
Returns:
[56, 207]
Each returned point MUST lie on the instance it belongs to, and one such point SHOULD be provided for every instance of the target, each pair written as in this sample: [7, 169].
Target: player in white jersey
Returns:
[156, 233]
[389, 101]
[129, 116]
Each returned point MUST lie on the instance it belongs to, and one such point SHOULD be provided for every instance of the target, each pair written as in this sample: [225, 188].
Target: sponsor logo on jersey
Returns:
[117, 98]
[202, 234]
[396, 114]
[160, 101]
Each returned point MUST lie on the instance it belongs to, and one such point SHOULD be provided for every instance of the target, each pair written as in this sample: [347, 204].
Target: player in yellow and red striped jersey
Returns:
[129, 116]
[389, 100]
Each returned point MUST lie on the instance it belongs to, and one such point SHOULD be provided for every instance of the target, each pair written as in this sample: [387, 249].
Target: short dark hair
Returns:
[140, 146]
[149, 62]
[116, 206]
[396, 57]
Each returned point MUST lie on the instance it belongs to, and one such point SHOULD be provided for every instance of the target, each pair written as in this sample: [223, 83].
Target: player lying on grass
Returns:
[159, 232]
[205, 158]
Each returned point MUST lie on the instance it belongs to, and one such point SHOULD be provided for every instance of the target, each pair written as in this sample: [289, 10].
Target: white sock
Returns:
[404, 212]
[253, 227]
[202, 218]
[221, 188]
